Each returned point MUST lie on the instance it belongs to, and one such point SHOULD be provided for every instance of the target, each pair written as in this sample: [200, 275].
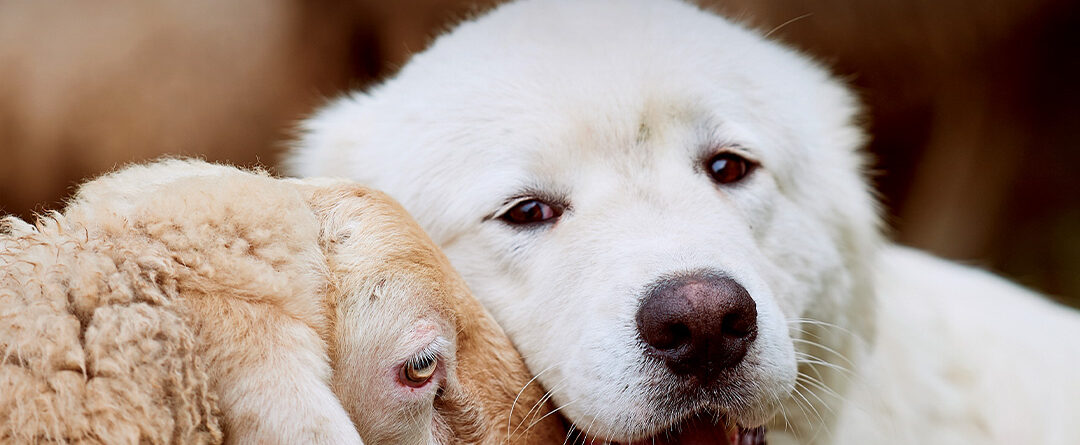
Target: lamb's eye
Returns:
[531, 211]
[726, 168]
[417, 371]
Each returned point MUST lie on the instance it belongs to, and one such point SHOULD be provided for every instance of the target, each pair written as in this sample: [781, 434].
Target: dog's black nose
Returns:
[698, 323]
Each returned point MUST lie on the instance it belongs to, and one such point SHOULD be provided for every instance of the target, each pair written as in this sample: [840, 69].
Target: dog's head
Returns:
[665, 211]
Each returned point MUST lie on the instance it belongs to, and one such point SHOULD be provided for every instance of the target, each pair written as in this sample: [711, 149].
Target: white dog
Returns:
[666, 213]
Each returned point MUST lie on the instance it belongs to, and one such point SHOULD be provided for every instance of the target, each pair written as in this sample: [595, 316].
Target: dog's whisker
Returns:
[810, 419]
[557, 409]
[546, 396]
[810, 359]
[536, 406]
[812, 393]
[814, 383]
[824, 348]
[783, 409]
[785, 24]
[824, 426]
[825, 324]
[510, 414]
[597, 414]
[588, 428]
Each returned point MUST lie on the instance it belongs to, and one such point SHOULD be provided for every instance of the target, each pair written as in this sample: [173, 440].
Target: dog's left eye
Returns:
[531, 211]
[726, 168]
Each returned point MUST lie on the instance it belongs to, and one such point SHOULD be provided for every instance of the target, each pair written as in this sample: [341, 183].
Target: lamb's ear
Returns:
[327, 141]
[337, 204]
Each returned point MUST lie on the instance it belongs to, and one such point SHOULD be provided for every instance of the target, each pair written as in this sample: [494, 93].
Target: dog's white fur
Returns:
[612, 106]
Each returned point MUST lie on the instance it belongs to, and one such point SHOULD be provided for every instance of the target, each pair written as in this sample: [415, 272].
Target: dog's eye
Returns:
[531, 211]
[726, 168]
[416, 372]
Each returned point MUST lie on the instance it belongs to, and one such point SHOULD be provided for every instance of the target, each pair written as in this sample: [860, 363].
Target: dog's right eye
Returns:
[727, 168]
[531, 211]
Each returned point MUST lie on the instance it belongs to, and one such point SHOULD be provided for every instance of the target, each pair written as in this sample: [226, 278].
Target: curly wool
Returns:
[142, 313]
[92, 347]
[188, 302]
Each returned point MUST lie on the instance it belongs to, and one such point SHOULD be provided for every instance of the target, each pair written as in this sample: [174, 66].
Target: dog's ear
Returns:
[328, 141]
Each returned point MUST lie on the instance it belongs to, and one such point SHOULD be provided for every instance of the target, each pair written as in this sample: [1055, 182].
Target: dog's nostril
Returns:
[673, 337]
[737, 325]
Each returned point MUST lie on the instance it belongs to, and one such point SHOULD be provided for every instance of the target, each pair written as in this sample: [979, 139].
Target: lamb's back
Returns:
[93, 347]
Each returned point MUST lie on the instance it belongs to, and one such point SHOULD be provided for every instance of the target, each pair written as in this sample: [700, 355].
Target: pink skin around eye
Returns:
[423, 336]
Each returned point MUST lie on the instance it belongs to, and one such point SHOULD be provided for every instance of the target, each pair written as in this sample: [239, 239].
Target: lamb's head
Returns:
[410, 341]
[325, 279]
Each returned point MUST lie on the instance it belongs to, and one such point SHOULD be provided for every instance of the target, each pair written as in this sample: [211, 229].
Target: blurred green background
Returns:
[971, 104]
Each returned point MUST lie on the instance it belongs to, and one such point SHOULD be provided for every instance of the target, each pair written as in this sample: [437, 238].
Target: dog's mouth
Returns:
[696, 431]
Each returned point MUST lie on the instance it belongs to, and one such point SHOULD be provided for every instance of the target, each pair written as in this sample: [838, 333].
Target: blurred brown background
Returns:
[972, 103]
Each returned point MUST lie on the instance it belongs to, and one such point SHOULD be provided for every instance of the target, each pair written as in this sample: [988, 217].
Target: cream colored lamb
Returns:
[185, 302]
